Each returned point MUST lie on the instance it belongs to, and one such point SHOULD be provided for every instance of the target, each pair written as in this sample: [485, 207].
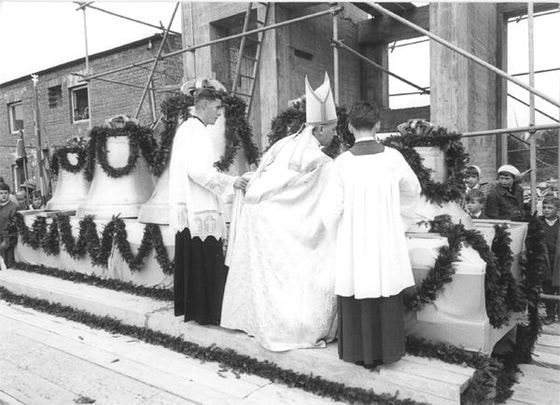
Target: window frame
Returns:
[73, 90]
[11, 117]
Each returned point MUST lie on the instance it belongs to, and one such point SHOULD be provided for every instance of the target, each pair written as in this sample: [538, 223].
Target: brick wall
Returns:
[107, 99]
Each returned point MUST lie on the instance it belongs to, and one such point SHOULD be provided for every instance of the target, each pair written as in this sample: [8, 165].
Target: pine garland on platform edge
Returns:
[238, 132]
[59, 233]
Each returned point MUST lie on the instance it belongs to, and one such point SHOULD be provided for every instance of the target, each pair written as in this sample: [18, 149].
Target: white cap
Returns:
[475, 167]
[509, 169]
[319, 103]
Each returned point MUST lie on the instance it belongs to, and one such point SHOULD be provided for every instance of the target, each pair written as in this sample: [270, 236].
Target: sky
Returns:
[38, 35]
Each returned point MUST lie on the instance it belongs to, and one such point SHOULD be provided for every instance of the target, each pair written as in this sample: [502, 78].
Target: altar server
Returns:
[279, 288]
[370, 202]
[197, 192]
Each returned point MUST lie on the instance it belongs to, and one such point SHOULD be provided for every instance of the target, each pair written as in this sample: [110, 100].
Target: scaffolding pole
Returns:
[342, 45]
[509, 130]
[157, 59]
[90, 113]
[124, 17]
[536, 109]
[220, 40]
[335, 59]
[462, 52]
[532, 132]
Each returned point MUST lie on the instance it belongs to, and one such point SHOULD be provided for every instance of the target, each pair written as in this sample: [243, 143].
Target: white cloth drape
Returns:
[197, 191]
[369, 203]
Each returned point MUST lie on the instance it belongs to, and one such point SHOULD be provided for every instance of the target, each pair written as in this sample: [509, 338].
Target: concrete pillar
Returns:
[375, 82]
[463, 94]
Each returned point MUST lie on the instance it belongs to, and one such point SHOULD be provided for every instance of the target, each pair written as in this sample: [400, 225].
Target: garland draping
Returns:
[139, 138]
[227, 358]
[59, 233]
[60, 159]
[160, 294]
[238, 132]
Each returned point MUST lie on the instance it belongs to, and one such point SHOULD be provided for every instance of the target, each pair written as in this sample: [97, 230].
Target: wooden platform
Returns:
[539, 382]
[424, 380]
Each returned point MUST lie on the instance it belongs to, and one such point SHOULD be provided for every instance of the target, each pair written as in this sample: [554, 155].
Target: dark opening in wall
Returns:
[302, 54]
[55, 96]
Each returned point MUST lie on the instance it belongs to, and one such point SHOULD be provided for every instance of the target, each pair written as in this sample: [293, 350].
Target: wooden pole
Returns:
[35, 79]
[532, 132]
[241, 50]
[509, 130]
[90, 112]
[335, 60]
[157, 58]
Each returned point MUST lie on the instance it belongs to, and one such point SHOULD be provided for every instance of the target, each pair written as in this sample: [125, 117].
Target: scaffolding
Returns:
[333, 10]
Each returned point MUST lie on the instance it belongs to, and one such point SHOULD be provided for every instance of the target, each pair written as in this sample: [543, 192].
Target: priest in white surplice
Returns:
[279, 288]
[370, 201]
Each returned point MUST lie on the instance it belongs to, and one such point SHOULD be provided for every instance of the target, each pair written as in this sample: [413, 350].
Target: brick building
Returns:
[63, 99]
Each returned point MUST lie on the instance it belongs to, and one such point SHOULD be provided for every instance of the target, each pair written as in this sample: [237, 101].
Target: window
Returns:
[55, 96]
[80, 107]
[15, 110]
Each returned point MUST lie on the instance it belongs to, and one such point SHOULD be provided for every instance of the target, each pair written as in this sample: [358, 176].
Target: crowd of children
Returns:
[504, 200]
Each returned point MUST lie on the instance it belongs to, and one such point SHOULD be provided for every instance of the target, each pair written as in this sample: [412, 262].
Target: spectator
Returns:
[37, 202]
[475, 204]
[472, 178]
[505, 201]
[551, 283]
[22, 204]
[85, 114]
[7, 211]
[77, 115]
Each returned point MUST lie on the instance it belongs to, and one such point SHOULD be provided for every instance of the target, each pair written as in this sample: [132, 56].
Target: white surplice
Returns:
[369, 203]
[197, 190]
[279, 288]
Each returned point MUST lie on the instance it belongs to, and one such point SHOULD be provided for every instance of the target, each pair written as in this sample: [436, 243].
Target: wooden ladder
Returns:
[250, 76]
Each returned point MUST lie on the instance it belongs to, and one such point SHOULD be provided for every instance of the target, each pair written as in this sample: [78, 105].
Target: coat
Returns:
[504, 204]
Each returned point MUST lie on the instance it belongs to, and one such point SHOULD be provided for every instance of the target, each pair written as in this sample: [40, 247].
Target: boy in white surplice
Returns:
[369, 202]
[279, 289]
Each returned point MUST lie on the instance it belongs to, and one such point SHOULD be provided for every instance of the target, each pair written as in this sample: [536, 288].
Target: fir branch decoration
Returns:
[140, 139]
[160, 294]
[225, 357]
[60, 159]
[59, 234]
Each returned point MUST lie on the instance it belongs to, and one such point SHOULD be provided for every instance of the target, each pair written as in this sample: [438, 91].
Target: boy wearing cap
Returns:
[505, 201]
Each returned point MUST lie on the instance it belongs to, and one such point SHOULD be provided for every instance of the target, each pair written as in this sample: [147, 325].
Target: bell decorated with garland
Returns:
[117, 165]
[233, 147]
[68, 164]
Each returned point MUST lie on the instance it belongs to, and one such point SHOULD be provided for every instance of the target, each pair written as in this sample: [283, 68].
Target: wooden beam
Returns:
[384, 29]
[518, 9]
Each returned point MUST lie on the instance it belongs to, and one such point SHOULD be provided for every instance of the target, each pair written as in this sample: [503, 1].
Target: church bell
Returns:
[71, 189]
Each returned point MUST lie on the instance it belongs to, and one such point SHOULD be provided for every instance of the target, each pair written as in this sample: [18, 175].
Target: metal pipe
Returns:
[424, 90]
[220, 40]
[532, 137]
[536, 109]
[87, 67]
[35, 79]
[508, 130]
[408, 43]
[549, 297]
[520, 18]
[335, 60]
[165, 89]
[124, 17]
[241, 50]
[154, 67]
[463, 52]
[537, 71]
[410, 93]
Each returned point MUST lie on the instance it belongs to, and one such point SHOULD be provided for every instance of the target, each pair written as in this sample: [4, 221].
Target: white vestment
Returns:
[370, 202]
[279, 288]
[197, 191]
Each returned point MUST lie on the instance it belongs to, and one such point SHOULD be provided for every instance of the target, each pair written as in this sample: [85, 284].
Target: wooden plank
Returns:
[545, 374]
[536, 397]
[384, 29]
[547, 358]
[147, 363]
[549, 340]
[274, 394]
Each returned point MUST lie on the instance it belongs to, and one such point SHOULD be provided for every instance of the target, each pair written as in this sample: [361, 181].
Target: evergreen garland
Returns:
[227, 358]
[139, 138]
[160, 294]
[238, 132]
[59, 234]
[60, 159]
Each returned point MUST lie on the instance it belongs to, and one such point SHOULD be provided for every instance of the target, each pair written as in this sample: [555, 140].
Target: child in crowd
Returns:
[37, 201]
[21, 197]
[472, 178]
[505, 201]
[475, 204]
[551, 284]
[7, 210]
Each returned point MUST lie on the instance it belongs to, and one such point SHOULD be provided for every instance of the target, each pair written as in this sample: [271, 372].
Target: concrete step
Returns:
[424, 380]
[536, 386]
